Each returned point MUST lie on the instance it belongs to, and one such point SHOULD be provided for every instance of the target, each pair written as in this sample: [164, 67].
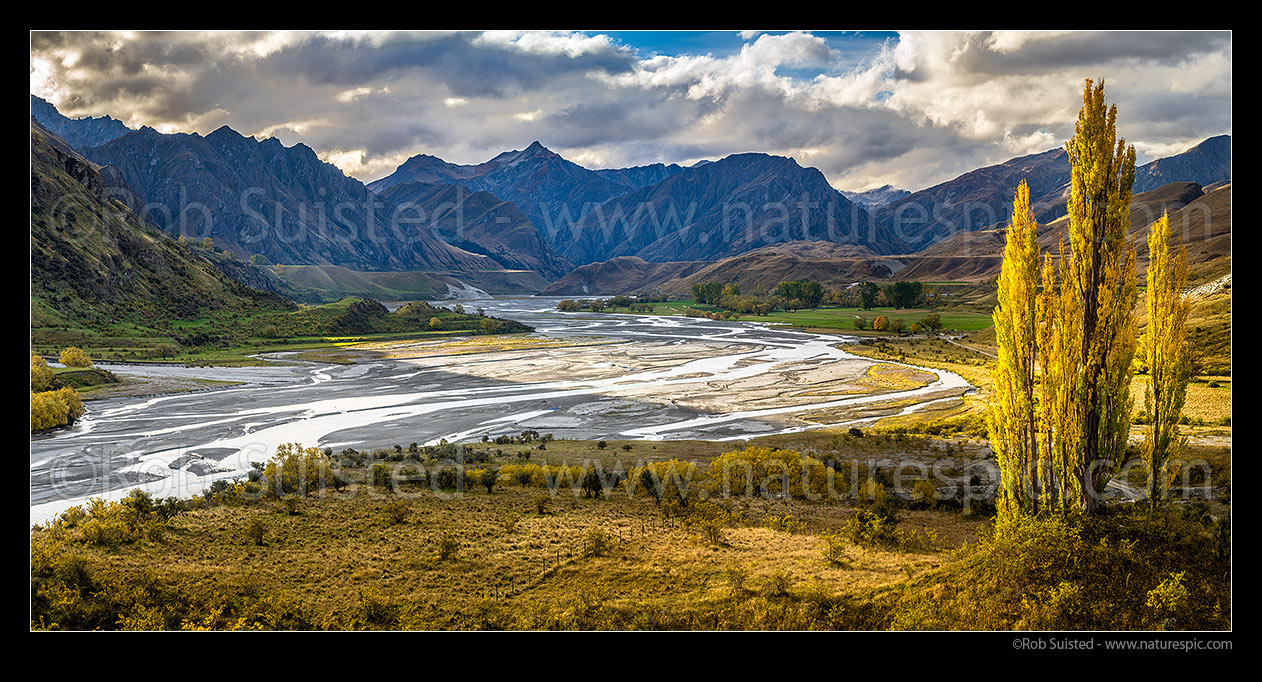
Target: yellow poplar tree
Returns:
[1059, 338]
[1011, 420]
[1166, 351]
[1100, 274]
[41, 374]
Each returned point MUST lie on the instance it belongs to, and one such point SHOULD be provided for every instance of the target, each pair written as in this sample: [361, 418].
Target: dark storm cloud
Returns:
[467, 69]
[1090, 49]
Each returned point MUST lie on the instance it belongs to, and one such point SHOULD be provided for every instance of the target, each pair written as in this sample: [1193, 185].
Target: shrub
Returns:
[376, 608]
[41, 374]
[256, 531]
[709, 520]
[925, 493]
[395, 511]
[488, 479]
[296, 470]
[596, 543]
[874, 498]
[446, 478]
[769, 473]
[448, 547]
[736, 580]
[784, 522]
[52, 409]
[592, 485]
[869, 530]
[541, 503]
[1167, 600]
[74, 357]
[777, 585]
[834, 549]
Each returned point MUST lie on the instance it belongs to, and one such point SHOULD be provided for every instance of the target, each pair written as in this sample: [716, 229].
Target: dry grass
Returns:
[334, 548]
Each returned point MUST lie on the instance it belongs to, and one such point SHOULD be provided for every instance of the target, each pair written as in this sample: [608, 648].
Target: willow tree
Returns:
[1165, 350]
[1011, 420]
[1098, 278]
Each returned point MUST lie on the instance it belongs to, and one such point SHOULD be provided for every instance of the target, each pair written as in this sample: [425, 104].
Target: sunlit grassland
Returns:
[511, 559]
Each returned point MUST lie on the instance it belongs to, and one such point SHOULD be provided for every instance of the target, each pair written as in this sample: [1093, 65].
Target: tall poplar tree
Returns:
[1059, 338]
[1011, 420]
[1166, 352]
[1100, 273]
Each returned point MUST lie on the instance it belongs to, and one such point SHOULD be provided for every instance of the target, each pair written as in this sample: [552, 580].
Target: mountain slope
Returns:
[548, 189]
[622, 275]
[828, 263]
[1204, 164]
[479, 222]
[1201, 219]
[982, 199]
[874, 198]
[260, 197]
[974, 200]
[706, 212]
[640, 176]
[95, 263]
[77, 132]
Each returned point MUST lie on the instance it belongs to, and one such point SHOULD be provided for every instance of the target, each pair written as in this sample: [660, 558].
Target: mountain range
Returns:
[658, 212]
[531, 215]
[259, 197]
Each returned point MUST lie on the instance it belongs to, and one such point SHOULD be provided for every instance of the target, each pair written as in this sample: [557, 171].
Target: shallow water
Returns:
[179, 444]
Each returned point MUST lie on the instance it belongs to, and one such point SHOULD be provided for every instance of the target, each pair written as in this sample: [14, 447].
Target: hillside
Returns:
[479, 222]
[831, 264]
[96, 266]
[1203, 220]
[1205, 164]
[333, 282]
[622, 275]
[982, 199]
[972, 201]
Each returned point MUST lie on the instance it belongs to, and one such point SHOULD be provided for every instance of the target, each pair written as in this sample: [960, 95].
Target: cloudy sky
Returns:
[906, 108]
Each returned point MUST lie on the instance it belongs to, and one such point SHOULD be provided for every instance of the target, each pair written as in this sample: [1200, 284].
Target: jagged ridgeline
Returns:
[96, 265]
